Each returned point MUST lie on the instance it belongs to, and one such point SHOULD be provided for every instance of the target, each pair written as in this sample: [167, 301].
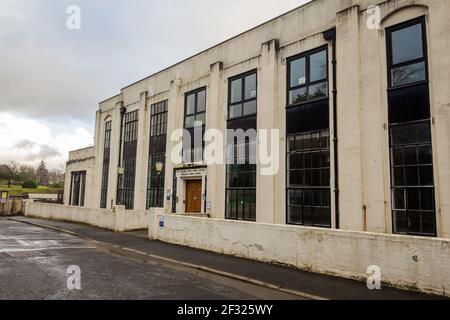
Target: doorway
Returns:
[193, 196]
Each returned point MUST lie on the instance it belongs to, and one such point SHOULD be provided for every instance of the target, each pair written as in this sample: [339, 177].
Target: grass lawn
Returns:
[19, 191]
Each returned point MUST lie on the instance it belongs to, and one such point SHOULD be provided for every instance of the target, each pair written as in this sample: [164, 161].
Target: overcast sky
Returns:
[52, 78]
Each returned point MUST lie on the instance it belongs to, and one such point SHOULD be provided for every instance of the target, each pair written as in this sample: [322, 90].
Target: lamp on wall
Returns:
[159, 167]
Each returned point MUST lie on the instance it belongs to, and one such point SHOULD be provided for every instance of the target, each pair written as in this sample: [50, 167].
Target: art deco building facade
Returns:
[363, 113]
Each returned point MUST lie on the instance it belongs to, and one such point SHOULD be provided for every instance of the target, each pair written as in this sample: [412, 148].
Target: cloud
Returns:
[24, 144]
[52, 78]
[29, 141]
[47, 70]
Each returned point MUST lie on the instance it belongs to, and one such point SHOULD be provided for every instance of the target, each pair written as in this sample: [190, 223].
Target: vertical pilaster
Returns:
[349, 117]
[215, 119]
[439, 67]
[142, 155]
[114, 157]
[92, 194]
[172, 124]
[266, 192]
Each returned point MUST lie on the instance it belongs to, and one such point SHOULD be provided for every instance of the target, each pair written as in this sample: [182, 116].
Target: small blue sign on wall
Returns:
[161, 222]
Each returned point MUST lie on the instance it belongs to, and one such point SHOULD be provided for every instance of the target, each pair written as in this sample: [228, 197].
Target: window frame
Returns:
[196, 113]
[157, 155]
[307, 55]
[127, 189]
[106, 164]
[252, 169]
[391, 66]
[192, 129]
[308, 187]
[230, 104]
[405, 187]
[81, 188]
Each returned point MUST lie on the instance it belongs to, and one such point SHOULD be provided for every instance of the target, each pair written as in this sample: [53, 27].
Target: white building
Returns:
[363, 115]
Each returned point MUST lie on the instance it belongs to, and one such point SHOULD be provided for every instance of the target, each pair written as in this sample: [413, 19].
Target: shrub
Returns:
[30, 184]
[58, 185]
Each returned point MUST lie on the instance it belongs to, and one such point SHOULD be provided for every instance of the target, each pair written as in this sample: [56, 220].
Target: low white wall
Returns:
[415, 263]
[42, 196]
[116, 219]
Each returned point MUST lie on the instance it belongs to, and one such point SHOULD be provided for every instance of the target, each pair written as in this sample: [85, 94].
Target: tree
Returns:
[42, 176]
[56, 176]
[26, 173]
[6, 173]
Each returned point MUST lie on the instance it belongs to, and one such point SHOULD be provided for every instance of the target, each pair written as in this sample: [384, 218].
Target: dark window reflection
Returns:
[407, 44]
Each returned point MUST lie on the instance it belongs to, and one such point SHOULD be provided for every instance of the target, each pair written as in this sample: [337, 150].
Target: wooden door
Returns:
[193, 196]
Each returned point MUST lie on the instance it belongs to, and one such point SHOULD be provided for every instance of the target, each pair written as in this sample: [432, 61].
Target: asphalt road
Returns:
[34, 262]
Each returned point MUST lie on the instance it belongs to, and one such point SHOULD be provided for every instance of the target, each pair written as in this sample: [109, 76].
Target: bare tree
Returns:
[6, 173]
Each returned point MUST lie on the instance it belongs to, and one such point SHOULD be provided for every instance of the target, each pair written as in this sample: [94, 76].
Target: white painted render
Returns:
[406, 262]
[116, 219]
[365, 235]
[364, 180]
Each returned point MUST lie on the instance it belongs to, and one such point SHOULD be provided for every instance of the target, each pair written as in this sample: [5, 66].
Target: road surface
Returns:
[34, 264]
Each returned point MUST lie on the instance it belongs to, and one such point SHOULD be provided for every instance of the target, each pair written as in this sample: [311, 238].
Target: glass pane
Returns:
[318, 66]
[190, 104]
[298, 72]
[250, 86]
[425, 155]
[408, 74]
[399, 199]
[200, 119]
[410, 133]
[410, 155]
[397, 156]
[318, 90]
[315, 140]
[400, 222]
[428, 226]
[412, 176]
[201, 101]
[235, 111]
[426, 176]
[413, 200]
[407, 44]
[427, 199]
[190, 122]
[414, 222]
[291, 143]
[297, 96]
[250, 107]
[236, 91]
[399, 179]
[295, 214]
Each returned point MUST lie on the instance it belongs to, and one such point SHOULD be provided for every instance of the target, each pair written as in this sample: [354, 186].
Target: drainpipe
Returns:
[330, 35]
[123, 110]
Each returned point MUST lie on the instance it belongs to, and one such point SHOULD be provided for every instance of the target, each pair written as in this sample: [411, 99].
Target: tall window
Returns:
[412, 181]
[308, 140]
[194, 121]
[242, 96]
[126, 191]
[157, 155]
[77, 188]
[106, 160]
[241, 156]
[308, 77]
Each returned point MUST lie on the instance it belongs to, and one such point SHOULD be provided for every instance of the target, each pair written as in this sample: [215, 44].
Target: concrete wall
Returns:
[116, 219]
[415, 263]
[12, 207]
